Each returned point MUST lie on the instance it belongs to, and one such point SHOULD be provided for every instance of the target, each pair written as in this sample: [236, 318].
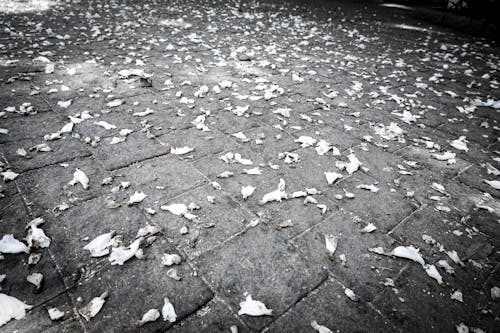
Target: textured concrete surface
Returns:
[375, 83]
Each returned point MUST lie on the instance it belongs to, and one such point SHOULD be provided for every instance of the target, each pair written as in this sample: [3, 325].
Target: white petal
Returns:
[254, 308]
[331, 177]
[119, 255]
[176, 209]
[493, 183]
[8, 244]
[320, 328]
[170, 259]
[55, 313]
[136, 198]
[306, 141]
[253, 171]
[93, 307]
[168, 311]
[460, 144]
[408, 252]
[181, 150]
[369, 228]
[12, 308]
[99, 246]
[80, 177]
[433, 273]
[36, 237]
[247, 191]
[371, 187]
[331, 243]
[351, 295]
[105, 124]
[150, 315]
[9, 175]
[353, 164]
[115, 103]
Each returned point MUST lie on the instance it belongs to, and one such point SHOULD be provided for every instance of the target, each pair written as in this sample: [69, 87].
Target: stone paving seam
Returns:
[290, 308]
[422, 207]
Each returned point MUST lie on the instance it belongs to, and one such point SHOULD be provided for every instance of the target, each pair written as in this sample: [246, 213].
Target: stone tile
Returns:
[229, 123]
[216, 222]
[31, 127]
[336, 137]
[62, 150]
[365, 272]
[310, 169]
[328, 306]
[216, 316]
[460, 197]
[424, 157]
[274, 141]
[419, 302]
[260, 263]
[76, 227]
[144, 288]
[475, 177]
[204, 143]
[37, 319]
[118, 155]
[385, 209]
[443, 228]
[48, 187]
[160, 177]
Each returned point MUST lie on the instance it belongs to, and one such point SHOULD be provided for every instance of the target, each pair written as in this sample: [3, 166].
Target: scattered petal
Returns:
[12, 308]
[168, 311]
[149, 316]
[80, 177]
[253, 308]
[136, 198]
[93, 307]
[331, 243]
[8, 244]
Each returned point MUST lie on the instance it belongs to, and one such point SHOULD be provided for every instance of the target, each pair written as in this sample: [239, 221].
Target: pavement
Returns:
[226, 166]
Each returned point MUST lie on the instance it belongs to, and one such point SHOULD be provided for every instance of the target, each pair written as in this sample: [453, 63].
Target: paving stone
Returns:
[368, 206]
[274, 141]
[216, 221]
[145, 288]
[419, 303]
[364, 272]
[475, 177]
[79, 225]
[48, 187]
[452, 232]
[329, 306]
[32, 126]
[260, 263]
[216, 316]
[161, 177]
[205, 143]
[118, 155]
[424, 157]
[458, 196]
[61, 150]
[229, 123]
[37, 319]
[13, 220]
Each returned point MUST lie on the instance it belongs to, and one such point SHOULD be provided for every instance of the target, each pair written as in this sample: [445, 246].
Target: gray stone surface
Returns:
[260, 263]
[370, 79]
[322, 303]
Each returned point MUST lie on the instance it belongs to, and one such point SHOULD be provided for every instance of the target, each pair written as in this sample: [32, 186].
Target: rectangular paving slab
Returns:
[329, 306]
[259, 263]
